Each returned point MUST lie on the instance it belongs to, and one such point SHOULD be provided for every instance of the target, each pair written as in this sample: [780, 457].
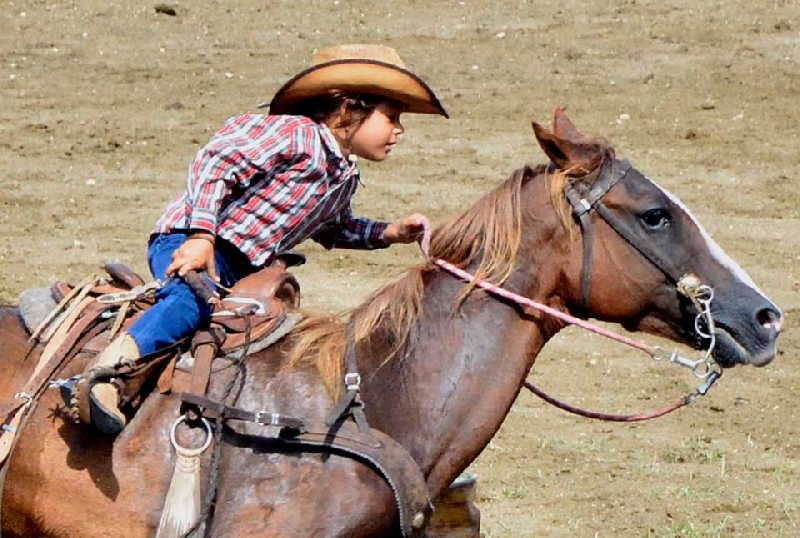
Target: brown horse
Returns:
[442, 364]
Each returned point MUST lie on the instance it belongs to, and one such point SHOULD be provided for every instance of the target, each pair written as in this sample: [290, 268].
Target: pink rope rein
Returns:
[572, 320]
[524, 301]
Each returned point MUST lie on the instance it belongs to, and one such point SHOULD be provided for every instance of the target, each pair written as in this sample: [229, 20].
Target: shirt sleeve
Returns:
[210, 180]
[348, 231]
[215, 172]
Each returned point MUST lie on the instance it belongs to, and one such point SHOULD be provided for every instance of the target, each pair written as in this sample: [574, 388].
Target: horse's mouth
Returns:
[729, 352]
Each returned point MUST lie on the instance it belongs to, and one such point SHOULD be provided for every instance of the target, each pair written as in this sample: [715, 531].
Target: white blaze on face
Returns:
[715, 250]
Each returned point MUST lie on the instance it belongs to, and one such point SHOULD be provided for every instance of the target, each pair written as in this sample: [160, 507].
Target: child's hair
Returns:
[357, 107]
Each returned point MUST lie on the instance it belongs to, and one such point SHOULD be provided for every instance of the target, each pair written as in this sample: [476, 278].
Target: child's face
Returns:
[378, 134]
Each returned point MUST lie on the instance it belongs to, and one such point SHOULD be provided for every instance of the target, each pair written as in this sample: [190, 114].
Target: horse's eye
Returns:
[656, 219]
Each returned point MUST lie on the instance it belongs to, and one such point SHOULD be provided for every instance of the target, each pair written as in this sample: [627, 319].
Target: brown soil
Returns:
[104, 103]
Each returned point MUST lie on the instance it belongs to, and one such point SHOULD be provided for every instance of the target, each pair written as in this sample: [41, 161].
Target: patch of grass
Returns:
[515, 492]
[697, 450]
[688, 529]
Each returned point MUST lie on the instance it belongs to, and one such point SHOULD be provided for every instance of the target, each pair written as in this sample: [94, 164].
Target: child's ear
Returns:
[341, 117]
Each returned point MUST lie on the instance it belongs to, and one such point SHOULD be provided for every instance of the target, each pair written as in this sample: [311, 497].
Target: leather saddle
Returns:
[248, 312]
[257, 304]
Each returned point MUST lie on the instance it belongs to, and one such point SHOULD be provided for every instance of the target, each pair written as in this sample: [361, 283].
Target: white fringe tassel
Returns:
[183, 503]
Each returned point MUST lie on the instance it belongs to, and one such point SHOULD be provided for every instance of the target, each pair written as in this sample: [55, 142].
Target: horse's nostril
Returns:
[770, 319]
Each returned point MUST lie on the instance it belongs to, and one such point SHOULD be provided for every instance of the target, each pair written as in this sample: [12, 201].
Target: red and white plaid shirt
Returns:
[266, 183]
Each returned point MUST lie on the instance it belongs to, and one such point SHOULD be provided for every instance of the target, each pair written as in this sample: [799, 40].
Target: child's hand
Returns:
[196, 254]
[406, 230]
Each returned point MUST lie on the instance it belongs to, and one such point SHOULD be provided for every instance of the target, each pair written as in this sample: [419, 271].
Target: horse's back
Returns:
[64, 479]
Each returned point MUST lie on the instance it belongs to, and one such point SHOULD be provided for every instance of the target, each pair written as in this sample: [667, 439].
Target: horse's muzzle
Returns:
[757, 349]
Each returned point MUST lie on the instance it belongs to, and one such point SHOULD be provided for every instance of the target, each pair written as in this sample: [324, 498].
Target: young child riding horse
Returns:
[263, 184]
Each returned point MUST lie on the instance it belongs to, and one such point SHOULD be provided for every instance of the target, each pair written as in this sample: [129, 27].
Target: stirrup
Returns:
[101, 417]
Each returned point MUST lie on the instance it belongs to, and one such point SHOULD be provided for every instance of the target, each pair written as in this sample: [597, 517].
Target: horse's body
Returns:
[443, 395]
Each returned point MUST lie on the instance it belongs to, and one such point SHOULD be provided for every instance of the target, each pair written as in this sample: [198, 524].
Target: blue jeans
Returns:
[178, 311]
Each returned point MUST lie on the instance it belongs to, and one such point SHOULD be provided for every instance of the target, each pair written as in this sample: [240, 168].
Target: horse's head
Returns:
[640, 246]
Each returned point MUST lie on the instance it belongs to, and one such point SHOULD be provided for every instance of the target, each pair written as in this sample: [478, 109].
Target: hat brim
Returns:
[359, 76]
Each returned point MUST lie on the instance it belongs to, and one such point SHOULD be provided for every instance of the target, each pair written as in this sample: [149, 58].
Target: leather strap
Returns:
[217, 410]
[586, 267]
[342, 407]
[350, 403]
[205, 349]
[641, 244]
[585, 199]
[61, 306]
[582, 200]
[377, 450]
[13, 413]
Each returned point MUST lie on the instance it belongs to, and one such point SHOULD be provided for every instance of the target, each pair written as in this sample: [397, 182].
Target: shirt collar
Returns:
[347, 166]
[330, 142]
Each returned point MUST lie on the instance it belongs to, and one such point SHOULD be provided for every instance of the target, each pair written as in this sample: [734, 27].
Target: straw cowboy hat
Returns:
[371, 69]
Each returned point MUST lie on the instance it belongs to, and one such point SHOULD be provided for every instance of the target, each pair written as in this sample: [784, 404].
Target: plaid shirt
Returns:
[266, 183]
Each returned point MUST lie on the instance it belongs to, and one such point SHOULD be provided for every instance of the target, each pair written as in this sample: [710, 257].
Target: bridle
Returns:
[584, 200]
[587, 199]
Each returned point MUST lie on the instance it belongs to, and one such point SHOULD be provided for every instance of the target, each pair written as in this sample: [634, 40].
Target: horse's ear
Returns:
[567, 147]
[564, 128]
[550, 145]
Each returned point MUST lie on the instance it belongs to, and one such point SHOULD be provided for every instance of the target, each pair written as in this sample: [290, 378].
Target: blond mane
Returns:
[488, 233]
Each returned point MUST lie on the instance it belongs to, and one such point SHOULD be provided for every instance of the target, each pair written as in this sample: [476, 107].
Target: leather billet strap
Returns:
[584, 199]
[350, 403]
[205, 345]
[217, 410]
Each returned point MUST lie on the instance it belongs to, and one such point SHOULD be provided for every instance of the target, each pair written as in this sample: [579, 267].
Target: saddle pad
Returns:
[34, 306]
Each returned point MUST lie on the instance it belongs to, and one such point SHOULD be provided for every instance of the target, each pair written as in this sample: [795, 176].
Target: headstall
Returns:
[584, 200]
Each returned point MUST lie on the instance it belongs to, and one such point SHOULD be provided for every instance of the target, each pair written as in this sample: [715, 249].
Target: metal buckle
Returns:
[352, 381]
[274, 419]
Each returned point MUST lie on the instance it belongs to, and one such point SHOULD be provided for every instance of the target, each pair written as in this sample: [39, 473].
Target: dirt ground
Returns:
[104, 103]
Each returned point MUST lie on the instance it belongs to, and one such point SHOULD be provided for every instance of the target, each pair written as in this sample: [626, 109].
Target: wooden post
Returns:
[455, 514]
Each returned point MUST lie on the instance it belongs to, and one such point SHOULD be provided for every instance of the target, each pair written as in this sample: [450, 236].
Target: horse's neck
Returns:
[448, 395]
